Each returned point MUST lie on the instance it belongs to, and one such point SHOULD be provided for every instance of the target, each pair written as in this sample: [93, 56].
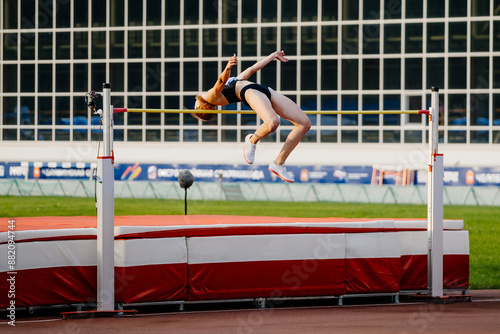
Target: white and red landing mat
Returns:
[185, 258]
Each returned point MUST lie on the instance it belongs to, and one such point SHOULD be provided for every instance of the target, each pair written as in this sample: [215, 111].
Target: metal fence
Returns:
[251, 191]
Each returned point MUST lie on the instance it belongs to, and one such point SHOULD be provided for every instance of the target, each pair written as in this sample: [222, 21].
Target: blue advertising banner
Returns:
[54, 170]
[453, 176]
[13, 170]
[238, 173]
[61, 171]
[463, 176]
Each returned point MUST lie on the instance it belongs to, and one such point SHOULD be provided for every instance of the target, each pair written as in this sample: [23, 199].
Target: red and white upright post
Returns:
[435, 177]
[106, 210]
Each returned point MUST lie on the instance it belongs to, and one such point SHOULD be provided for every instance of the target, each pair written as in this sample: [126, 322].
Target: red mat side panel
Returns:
[51, 286]
[150, 270]
[456, 271]
[372, 262]
[266, 279]
[266, 266]
[372, 275]
[414, 260]
[151, 283]
[414, 272]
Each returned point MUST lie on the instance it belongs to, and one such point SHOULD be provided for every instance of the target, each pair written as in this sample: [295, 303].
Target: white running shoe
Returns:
[281, 171]
[249, 150]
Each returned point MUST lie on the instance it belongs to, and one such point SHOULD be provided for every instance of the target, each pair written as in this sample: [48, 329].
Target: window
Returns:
[480, 7]
[99, 14]
[63, 47]
[371, 10]
[80, 78]
[480, 33]
[414, 9]
[458, 8]
[349, 74]
[413, 38]
[116, 45]
[27, 78]
[80, 13]
[371, 73]
[392, 38]
[9, 78]
[289, 39]
[249, 11]
[269, 11]
[329, 74]
[435, 37]
[479, 72]
[45, 45]
[229, 11]
[10, 14]
[289, 11]
[350, 9]
[248, 42]
[309, 40]
[435, 72]
[309, 10]
[27, 46]
[268, 40]
[329, 40]
[27, 13]
[435, 8]
[173, 12]
[457, 73]
[413, 73]
[135, 13]
[392, 9]
[350, 39]
[80, 45]
[135, 44]
[45, 14]
[44, 78]
[309, 74]
[98, 44]
[153, 13]
[229, 42]
[371, 38]
[153, 44]
[392, 73]
[289, 76]
[117, 13]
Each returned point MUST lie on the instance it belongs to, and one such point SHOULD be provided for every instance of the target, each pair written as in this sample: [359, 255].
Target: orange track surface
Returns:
[49, 223]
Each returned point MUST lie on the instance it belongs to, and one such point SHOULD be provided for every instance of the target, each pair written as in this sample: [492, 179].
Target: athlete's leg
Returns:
[262, 106]
[290, 111]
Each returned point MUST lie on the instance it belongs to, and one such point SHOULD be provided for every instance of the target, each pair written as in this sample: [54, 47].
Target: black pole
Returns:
[185, 201]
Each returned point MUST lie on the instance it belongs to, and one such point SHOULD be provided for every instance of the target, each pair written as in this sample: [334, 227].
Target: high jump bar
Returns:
[309, 112]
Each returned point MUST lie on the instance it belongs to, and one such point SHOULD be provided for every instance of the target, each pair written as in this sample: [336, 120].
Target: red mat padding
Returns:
[175, 258]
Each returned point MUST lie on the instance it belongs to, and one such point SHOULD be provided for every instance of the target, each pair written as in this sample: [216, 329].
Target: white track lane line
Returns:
[31, 321]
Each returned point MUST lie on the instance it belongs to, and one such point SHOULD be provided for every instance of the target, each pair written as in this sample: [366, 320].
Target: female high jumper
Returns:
[266, 102]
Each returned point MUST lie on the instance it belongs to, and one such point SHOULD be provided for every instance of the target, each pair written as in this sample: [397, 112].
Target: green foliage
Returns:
[483, 223]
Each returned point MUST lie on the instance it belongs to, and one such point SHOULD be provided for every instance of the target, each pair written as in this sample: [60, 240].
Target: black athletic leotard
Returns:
[229, 91]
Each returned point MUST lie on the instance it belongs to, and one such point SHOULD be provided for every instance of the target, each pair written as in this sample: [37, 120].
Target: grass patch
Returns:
[482, 222]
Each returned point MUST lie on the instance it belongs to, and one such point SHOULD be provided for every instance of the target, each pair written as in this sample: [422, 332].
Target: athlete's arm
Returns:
[280, 55]
[215, 92]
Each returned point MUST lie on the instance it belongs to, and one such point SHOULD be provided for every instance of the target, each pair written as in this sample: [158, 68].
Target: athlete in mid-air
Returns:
[266, 102]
